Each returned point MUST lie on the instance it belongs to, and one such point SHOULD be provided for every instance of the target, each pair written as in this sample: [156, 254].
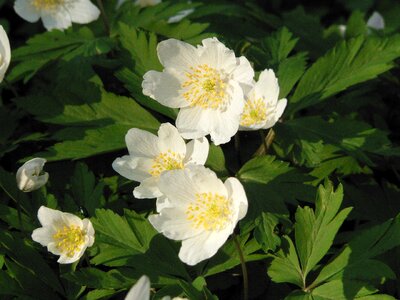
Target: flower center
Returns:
[166, 161]
[69, 239]
[205, 87]
[46, 4]
[254, 112]
[210, 211]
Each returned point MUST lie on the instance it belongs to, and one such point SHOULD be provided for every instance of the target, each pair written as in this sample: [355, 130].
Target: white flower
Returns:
[64, 234]
[140, 290]
[59, 14]
[30, 176]
[205, 82]
[149, 156]
[141, 3]
[262, 108]
[5, 53]
[376, 21]
[202, 211]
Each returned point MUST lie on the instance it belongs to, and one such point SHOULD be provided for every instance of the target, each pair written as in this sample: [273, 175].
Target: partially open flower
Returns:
[30, 176]
[262, 108]
[5, 53]
[205, 82]
[63, 234]
[59, 14]
[151, 155]
[202, 211]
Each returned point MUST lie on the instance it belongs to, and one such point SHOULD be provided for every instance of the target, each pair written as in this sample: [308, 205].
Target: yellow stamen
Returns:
[69, 239]
[46, 4]
[254, 112]
[168, 160]
[210, 211]
[205, 87]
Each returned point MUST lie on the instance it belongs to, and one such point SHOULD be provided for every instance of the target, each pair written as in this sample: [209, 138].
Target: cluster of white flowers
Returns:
[214, 90]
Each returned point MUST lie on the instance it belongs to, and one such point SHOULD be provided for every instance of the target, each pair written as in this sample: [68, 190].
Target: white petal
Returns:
[376, 21]
[26, 10]
[267, 87]
[43, 235]
[170, 139]
[275, 114]
[217, 55]
[162, 202]
[203, 246]
[52, 248]
[142, 143]
[173, 224]
[71, 220]
[88, 227]
[5, 53]
[164, 87]
[140, 291]
[82, 11]
[175, 54]
[243, 73]
[148, 188]
[64, 259]
[194, 122]
[50, 217]
[197, 151]
[133, 168]
[180, 15]
[56, 19]
[238, 195]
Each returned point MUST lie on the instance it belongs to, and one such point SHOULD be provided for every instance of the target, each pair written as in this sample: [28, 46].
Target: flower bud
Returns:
[30, 176]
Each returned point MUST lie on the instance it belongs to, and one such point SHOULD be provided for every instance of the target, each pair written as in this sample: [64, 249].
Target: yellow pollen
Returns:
[69, 239]
[47, 4]
[205, 87]
[210, 211]
[254, 112]
[168, 160]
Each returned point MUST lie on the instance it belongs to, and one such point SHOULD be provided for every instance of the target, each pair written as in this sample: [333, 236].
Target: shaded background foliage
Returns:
[75, 94]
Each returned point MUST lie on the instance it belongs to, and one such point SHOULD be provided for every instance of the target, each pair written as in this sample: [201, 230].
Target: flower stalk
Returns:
[244, 268]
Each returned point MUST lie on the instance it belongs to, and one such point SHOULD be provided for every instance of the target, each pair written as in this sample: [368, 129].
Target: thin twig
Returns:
[244, 268]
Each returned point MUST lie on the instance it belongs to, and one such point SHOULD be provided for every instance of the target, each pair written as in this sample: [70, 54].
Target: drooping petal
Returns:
[172, 222]
[203, 246]
[170, 139]
[165, 87]
[148, 188]
[43, 235]
[238, 195]
[56, 19]
[133, 168]
[141, 143]
[82, 11]
[197, 151]
[140, 291]
[26, 10]
[175, 54]
[194, 122]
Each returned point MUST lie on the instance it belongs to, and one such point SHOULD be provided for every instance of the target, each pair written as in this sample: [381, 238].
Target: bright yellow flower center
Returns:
[166, 161]
[69, 239]
[205, 87]
[254, 112]
[47, 4]
[210, 211]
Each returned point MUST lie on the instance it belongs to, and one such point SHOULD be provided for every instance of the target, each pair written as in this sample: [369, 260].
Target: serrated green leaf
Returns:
[349, 63]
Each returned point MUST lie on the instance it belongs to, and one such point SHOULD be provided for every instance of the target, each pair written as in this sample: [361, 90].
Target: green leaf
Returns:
[95, 278]
[285, 266]
[85, 190]
[349, 63]
[269, 183]
[216, 161]
[315, 232]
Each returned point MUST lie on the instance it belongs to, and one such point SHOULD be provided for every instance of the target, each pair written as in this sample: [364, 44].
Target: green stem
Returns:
[237, 148]
[244, 268]
[11, 88]
[104, 17]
